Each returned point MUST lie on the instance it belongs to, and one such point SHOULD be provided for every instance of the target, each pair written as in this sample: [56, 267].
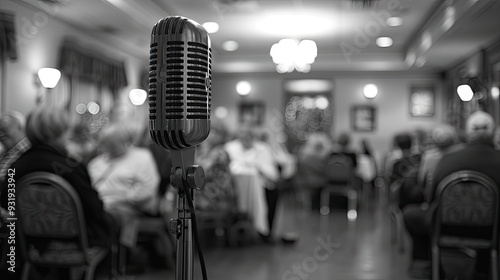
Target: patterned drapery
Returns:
[7, 36]
[81, 63]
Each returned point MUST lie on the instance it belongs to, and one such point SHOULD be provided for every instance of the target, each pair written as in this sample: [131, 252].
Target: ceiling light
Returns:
[384, 42]
[465, 92]
[243, 88]
[394, 21]
[49, 77]
[211, 27]
[230, 46]
[370, 91]
[290, 54]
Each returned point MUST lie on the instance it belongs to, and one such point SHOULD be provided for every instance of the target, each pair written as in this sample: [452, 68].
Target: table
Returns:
[250, 198]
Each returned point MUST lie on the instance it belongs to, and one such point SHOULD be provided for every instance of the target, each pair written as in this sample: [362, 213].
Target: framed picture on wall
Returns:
[251, 113]
[363, 118]
[422, 101]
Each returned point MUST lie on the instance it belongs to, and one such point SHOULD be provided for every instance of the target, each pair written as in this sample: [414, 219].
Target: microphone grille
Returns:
[199, 77]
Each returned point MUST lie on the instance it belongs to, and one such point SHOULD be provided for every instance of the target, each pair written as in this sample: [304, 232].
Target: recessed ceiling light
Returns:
[384, 42]
[211, 27]
[394, 21]
[230, 46]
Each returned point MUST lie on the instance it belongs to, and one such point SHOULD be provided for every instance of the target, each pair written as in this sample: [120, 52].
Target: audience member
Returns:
[343, 152]
[14, 142]
[251, 156]
[445, 140]
[13, 139]
[218, 193]
[280, 196]
[477, 155]
[82, 145]
[47, 130]
[125, 176]
[405, 169]
[312, 160]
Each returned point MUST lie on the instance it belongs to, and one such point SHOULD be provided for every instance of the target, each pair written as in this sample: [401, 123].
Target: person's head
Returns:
[115, 140]
[444, 136]
[48, 126]
[11, 128]
[403, 141]
[246, 136]
[218, 133]
[344, 140]
[479, 125]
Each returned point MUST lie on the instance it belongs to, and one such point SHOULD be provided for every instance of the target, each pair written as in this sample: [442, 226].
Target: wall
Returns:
[39, 36]
[38, 47]
[392, 103]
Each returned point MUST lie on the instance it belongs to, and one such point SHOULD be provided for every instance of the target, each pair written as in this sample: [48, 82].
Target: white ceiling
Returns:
[440, 32]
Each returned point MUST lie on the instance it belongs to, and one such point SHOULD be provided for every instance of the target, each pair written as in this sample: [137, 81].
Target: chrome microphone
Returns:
[180, 83]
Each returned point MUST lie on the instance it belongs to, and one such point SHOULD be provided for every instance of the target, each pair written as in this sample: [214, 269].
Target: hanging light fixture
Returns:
[292, 54]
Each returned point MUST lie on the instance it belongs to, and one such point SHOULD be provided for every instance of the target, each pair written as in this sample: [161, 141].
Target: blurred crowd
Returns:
[121, 176]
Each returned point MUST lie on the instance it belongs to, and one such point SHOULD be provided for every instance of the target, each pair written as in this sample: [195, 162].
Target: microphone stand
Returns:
[185, 178]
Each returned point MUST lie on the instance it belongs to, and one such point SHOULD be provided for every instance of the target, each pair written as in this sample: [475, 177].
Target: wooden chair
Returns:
[466, 199]
[341, 182]
[51, 225]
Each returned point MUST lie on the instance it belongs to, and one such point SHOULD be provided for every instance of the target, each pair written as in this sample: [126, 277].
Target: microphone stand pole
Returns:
[185, 177]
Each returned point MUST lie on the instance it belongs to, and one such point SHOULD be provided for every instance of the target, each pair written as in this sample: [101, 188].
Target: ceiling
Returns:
[434, 36]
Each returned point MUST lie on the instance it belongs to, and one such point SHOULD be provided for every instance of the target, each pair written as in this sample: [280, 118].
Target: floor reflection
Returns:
[331, 248]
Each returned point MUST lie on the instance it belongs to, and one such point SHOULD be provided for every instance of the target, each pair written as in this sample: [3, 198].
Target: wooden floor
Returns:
[362, 250]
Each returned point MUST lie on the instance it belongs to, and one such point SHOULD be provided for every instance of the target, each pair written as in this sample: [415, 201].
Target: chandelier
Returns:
[292, 54]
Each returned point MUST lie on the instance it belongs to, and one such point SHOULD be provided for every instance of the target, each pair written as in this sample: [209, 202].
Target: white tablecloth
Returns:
[251, 200]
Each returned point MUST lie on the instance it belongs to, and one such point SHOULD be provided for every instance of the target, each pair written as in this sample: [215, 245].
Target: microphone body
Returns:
[180, 82]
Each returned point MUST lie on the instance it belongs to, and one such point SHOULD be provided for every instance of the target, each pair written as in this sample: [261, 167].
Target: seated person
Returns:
[344, 161]
[46, 129]
[218, 193]
[445, 140]
[406, 168]
[125, 176]
[478, 155]
[253, 160]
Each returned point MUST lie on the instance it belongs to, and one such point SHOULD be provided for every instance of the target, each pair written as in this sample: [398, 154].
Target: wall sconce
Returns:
[370, 91]
[137, 96]
[465, 92]
[49, 77]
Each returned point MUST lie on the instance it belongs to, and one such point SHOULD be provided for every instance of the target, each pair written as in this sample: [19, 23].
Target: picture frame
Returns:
[363, 118]
[251, 113]
[422, 101]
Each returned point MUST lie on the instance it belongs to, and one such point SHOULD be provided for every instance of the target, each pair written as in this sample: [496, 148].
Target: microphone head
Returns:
[180, 83]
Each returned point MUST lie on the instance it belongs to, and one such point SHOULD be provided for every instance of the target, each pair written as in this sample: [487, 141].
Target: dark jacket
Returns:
[479, 156]
[57, 161]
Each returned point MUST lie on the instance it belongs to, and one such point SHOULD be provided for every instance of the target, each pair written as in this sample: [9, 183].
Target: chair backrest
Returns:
[467, 198]
[339, 168]
[49, 208]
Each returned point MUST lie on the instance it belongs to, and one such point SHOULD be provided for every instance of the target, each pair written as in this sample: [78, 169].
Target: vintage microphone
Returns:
[179, 119]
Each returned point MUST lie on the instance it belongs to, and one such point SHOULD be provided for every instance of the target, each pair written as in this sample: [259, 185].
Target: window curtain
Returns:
[8, 50]
[92, 67]
[7, 36]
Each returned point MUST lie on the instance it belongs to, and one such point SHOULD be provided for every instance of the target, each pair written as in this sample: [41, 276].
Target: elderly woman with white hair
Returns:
[126, 178]
[47, 129]
[445, 140]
